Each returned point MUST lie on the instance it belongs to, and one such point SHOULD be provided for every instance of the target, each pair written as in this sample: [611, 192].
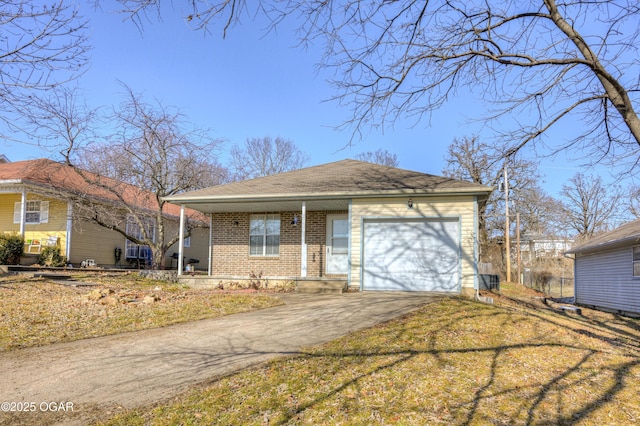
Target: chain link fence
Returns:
[551, 283]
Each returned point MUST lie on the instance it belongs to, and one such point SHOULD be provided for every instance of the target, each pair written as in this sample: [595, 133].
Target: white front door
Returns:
[337, 244]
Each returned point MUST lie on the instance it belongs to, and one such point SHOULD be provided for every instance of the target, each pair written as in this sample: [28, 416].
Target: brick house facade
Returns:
[230, 246]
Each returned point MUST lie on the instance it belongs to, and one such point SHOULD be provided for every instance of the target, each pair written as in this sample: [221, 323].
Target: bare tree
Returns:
[540, 62]
[380, 156]
[633, 201]
[60, 120]
[470, 159]
[43, 46]
[589, 205]
[127, 176]
[264, 157]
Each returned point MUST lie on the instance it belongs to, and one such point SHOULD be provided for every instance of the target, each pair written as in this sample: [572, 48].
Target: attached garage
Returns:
[411, 254]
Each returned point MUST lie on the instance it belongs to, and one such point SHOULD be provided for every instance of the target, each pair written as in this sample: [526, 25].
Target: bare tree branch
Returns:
[541, 63]
[264, 157]
[43, 46]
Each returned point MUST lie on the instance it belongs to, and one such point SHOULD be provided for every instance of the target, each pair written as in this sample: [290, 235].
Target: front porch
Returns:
[285, 245]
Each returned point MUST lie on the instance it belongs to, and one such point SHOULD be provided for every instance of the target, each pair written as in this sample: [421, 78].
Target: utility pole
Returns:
[506, 222]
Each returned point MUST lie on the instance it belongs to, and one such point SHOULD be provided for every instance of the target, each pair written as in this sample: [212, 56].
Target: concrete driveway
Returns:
[138, 368]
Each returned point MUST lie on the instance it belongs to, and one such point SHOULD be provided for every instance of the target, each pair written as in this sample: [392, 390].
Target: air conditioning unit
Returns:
[489, 282]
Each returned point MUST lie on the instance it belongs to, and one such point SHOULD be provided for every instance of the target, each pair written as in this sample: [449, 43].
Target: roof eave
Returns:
[178, 199]
[11, 181]
[606, 246]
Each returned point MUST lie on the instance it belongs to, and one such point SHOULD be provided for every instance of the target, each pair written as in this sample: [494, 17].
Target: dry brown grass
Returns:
[35, 311]
[453, 362]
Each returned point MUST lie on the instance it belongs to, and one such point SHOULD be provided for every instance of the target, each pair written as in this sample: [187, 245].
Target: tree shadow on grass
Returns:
[588, 367]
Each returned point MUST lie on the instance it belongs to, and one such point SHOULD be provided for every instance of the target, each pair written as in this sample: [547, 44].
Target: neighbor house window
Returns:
[264, 235]
[139, 251]
[37, 212]
[636, 261]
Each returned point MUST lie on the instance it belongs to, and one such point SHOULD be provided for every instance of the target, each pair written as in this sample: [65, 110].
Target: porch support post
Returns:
[69, 230]
[210, 268]
[349, 245]
[23, 212]
[181, 241]
[303, 243]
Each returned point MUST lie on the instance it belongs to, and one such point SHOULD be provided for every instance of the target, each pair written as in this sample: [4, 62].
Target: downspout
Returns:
[181, 241]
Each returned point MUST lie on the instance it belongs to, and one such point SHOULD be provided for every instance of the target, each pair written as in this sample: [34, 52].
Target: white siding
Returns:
[606, 280]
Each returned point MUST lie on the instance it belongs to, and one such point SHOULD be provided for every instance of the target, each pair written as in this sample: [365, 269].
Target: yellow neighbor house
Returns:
[40, 200]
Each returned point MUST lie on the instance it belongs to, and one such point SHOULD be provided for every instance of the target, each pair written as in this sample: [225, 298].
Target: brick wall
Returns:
[231, 246]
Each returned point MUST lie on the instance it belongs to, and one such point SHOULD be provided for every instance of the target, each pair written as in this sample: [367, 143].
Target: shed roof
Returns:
[625, 235]
[330, 184]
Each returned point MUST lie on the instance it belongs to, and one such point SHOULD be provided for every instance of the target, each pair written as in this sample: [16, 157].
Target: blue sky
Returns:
[254, 84]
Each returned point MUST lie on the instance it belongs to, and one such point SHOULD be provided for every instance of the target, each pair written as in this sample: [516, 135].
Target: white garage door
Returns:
[411, 255]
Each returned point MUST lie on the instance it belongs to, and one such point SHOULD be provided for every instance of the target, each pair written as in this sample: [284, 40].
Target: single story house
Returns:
[39, 200]
[358, 224]
[607, 270]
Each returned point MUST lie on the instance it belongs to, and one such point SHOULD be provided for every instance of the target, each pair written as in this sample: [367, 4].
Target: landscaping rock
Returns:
[109, 301]
[99, 293]
[150, 299]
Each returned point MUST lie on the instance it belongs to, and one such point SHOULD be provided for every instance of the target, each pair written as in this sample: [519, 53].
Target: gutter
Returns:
[201, 199]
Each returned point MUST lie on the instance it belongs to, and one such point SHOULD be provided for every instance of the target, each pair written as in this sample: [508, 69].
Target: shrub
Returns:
[541, 279]
[50, 256]
[255, 280]
[11, 247]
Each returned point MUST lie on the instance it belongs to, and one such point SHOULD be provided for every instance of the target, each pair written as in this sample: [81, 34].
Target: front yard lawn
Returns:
[456, 361]
[36, 311]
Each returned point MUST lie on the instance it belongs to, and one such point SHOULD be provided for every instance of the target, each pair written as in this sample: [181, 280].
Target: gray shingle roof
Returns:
[341, 178]
[625, 235]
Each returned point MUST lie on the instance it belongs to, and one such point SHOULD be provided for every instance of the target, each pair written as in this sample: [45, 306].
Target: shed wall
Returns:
[605, 280]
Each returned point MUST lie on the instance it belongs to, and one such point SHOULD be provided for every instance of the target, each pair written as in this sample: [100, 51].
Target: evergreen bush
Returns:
[11, 248]
[50, 256]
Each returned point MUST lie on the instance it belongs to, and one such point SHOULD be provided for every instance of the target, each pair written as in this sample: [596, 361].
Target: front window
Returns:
[264, 235]
[138, 251]
[36, 212]
[636, 261]
[340, 236]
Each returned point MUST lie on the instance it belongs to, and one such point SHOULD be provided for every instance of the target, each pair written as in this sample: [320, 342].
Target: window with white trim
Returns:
[139, 251]
[636, 261]
[264, 235]
[36, 212]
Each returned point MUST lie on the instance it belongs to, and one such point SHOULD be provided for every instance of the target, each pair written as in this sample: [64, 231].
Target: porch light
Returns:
[410, 203]
[294, 222]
